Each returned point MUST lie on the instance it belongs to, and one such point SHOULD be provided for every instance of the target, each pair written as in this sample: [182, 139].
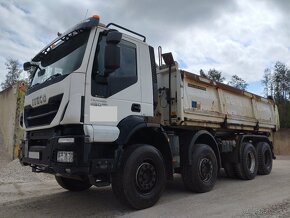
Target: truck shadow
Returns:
[96, 202]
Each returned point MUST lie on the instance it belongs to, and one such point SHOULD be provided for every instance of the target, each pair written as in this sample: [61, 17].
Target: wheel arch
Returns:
[255, 139]
[135, 130]
[205, 137]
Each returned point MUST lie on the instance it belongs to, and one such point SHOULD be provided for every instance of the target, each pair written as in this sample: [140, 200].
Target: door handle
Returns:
[136, 108]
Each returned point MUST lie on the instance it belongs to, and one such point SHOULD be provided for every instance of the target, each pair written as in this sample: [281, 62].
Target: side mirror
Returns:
[112, 52]
[114, 37]
[27, 66]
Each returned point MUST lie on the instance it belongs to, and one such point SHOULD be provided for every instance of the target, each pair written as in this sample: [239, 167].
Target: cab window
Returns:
[121, 78]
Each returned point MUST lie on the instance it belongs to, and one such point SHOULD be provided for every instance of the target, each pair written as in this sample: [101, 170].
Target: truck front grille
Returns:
[42, 115]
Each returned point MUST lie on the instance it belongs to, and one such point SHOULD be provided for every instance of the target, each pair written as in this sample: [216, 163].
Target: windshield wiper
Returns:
[53, 76]
[34, 85]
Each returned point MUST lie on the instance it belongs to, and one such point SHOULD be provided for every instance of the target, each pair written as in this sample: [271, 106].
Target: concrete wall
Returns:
[8, 100]
[282, 142]
[11, 105]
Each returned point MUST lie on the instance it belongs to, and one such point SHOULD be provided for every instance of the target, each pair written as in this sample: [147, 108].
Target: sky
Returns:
[241, 37]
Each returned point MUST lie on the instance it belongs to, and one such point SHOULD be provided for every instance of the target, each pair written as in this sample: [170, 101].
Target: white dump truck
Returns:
[99, 111]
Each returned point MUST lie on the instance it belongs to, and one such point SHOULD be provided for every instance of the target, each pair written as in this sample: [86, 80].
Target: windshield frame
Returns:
[81, 68]
[61, 62]
[91, 24]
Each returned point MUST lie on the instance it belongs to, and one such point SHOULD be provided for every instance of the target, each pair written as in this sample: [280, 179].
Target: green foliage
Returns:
[284, 113]
[202, 74]
[238, 82]
[212, 74]
[215, 75]
[14, 71]
[277, 84]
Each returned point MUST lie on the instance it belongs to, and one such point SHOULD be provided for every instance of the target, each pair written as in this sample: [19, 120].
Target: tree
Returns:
[12, 76]
[212, 74]
[279, 84]
[280, 80]
[215, 75]
[202, 74]
[238, 82]
[267, 82]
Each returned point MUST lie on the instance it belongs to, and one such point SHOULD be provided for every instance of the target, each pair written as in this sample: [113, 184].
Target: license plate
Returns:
[33, 155]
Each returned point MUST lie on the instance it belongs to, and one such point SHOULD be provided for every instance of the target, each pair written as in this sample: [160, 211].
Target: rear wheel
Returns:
[73, 184]
[265, 159]
[201, 175]
[248, 166]
[141, 179]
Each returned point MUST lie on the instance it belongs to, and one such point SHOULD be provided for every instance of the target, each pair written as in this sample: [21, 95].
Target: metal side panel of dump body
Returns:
[200, 102]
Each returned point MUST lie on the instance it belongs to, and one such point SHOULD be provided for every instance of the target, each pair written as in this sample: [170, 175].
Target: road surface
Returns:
[265, 196]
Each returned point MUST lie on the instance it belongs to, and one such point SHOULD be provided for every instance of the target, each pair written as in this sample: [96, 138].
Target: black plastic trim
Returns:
[85, 24]
[209, 136]
[82, 109]
[44, 114]
[128, 126]
[154, 76]
[130, 31]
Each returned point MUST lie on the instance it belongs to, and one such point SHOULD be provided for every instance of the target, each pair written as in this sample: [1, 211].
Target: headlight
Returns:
[66, 140]
[65, 156]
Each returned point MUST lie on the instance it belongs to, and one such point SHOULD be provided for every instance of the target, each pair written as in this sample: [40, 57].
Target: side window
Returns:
[121, 78]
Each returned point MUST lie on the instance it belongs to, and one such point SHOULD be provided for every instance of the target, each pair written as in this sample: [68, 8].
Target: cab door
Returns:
[117, 95]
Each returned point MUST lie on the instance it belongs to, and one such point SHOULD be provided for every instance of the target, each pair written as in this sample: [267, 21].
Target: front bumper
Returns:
[46, 146]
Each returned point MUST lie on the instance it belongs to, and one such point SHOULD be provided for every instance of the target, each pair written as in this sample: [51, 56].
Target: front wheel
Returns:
[140, 180]
[201, 175]
[73, 184]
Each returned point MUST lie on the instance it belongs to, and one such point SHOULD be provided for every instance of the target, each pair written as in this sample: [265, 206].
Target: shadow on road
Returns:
[95, 202]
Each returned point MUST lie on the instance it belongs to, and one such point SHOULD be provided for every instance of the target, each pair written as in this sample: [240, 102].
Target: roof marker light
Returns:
[97, 17]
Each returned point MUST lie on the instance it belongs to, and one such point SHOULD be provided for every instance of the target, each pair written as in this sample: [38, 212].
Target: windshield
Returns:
[65, 58]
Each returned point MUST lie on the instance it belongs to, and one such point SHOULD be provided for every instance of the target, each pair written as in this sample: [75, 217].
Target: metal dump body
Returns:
[200, 102]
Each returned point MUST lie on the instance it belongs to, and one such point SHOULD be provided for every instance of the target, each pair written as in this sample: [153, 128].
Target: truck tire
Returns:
[248, 166]
[140, 180]
[201, 175]
[265, 160]
[73, 184]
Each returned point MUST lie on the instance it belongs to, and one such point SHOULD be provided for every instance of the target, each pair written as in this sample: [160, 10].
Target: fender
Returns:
[255, 139]
[209, 140]
[153, 134]
[128, 126]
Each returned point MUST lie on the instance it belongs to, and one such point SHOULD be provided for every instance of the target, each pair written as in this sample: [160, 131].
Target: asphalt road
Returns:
[265, 196]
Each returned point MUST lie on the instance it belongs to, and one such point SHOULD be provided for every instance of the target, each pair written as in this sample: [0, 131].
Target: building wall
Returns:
[11, 105]
[8, 100]
[282, 142]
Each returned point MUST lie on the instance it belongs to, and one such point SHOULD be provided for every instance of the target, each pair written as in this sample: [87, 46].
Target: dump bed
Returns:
[200, 102]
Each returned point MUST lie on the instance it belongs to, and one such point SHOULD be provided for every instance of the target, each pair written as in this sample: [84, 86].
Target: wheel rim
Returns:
[205, 169]
[251, 162]
[146, 177]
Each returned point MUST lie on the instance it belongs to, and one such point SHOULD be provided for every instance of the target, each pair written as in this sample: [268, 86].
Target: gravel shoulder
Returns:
[4, 157]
